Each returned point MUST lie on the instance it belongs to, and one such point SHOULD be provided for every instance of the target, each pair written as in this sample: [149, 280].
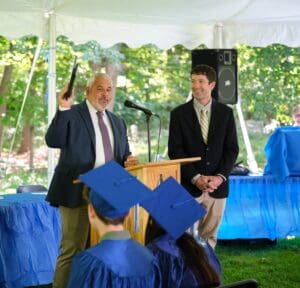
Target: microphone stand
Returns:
[148, 137]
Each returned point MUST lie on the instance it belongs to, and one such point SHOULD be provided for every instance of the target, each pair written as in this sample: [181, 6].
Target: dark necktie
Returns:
[105, 137]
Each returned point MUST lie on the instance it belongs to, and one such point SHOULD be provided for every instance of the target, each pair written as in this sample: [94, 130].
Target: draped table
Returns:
[261, 207]
[29, 240]
[283, 153]
[267, 206]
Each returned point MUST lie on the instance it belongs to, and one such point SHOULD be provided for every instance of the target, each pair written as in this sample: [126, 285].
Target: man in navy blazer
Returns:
[75, 131]
[207, 179]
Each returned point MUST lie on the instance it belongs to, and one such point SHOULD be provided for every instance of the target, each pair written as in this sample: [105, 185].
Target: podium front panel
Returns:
[151, 174]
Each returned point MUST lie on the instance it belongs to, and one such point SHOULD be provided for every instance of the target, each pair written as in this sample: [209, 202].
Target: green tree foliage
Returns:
[269, 82]
[19, 55]
[66, 51]
[154, 78]
[158, 79]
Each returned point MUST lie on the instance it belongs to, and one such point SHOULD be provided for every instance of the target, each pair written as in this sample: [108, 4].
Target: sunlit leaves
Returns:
[269, 81]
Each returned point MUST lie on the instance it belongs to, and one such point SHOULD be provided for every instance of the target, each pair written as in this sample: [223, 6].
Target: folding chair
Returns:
[31, 188]
[247, 283]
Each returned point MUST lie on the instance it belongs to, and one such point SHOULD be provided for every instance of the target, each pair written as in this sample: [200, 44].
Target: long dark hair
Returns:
[194, 254]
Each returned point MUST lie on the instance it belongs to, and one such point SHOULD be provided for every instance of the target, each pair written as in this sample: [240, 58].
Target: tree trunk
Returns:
[7, 73]
[31, 149]
[27, 143]
[26, 139]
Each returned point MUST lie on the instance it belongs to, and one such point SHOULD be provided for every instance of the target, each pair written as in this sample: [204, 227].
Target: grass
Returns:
[273, 266]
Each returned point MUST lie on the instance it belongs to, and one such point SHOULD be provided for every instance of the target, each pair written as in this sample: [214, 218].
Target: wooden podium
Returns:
[151, 174]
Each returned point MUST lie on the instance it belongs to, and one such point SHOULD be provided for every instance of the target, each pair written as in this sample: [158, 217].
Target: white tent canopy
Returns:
[217, 24]
[161, 22]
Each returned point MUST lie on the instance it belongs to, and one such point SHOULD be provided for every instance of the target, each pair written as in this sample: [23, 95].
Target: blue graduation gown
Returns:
[2, 282]
[174, 271]
[117, 261]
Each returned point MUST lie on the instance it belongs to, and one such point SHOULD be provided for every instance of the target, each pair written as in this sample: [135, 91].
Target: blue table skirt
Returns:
[29, 242]
[261, 207]
[283, 153]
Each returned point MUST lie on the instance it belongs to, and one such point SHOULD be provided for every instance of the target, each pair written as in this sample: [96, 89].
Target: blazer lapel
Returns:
[192, 121]
[85, 114]
[114, 128]
[213, 120]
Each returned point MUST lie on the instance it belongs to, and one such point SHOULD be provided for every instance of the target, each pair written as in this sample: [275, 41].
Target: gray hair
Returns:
[91, 80]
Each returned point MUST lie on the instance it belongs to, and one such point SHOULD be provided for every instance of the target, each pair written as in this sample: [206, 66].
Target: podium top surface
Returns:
[181, 161]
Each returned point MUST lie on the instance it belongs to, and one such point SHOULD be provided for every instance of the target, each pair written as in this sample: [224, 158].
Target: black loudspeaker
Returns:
[224, 61]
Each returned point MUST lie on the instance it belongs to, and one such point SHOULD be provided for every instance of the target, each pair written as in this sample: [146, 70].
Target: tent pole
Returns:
[51, 87]
[252, 164]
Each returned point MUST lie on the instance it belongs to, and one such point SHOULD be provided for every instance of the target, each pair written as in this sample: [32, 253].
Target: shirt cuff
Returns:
[195, 178]
[223, 177]
[63, 108]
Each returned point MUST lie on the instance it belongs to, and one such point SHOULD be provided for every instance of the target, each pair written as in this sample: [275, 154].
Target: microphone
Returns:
[130, 104]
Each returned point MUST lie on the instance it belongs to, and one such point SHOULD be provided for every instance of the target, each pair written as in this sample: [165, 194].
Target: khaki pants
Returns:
[208, 226]
[75, 232]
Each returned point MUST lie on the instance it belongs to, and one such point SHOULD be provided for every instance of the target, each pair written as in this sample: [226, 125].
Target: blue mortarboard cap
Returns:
[114, 190]
[173, 208]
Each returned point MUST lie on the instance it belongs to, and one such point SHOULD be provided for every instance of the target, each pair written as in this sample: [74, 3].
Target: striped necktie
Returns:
[204, 124]
[108, 154]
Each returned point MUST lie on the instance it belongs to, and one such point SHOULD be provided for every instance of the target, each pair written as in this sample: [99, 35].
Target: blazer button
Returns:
[207, 163]
[207, 149]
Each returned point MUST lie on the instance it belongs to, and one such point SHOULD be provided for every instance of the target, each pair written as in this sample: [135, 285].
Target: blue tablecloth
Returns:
[29, 241]
[283, 153]
[261, 207]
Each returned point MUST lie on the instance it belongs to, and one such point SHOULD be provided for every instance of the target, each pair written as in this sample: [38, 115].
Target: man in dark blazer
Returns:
[206, 128]
[75, 131]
